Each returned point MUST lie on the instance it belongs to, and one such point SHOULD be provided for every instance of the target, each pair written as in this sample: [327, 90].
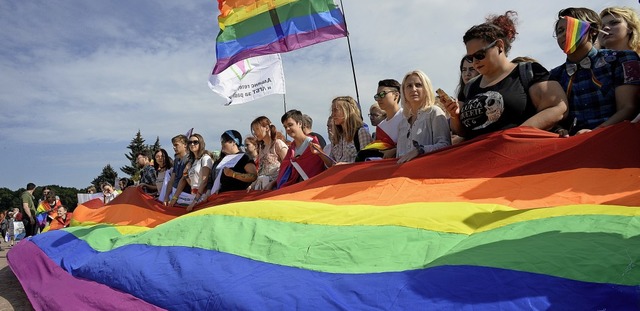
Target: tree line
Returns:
[68, 195]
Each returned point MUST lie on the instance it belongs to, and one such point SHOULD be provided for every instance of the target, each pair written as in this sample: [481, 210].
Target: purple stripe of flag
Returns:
[286, 44]
[50, 287]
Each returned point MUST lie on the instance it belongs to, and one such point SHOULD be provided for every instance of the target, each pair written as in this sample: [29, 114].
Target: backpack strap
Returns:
[356, 139]
[526, 74]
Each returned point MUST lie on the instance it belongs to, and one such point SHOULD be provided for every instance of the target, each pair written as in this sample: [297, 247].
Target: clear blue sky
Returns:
[79, 78]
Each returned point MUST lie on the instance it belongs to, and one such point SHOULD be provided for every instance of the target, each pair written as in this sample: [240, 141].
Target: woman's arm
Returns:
[453, 108]
[316, 149]
[181, 184]
[550, 102]
[281, 149]
[626, 104]
[364, 137]
[250, 175]
[169, 188]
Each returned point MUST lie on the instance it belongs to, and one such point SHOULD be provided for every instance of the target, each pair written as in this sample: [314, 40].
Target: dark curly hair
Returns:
[496, 27]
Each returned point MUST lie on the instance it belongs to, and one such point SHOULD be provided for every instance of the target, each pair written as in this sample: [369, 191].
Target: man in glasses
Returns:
[386, 139]
[376, 115]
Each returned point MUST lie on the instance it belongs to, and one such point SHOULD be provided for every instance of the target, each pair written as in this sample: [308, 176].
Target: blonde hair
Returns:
[633, 22]
[352, 119]
[426, 83]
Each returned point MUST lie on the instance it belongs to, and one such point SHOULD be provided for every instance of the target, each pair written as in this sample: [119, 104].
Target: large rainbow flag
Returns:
[519, 220]
[261, 27]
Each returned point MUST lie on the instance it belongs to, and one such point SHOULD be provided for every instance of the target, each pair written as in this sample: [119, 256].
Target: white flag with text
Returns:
[250, 79]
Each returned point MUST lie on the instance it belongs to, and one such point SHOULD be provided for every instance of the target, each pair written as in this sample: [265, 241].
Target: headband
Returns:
[230, 134]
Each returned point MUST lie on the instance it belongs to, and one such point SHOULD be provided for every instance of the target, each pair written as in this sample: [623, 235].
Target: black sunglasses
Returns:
[381, 95]
[194, 142]
[480, 55]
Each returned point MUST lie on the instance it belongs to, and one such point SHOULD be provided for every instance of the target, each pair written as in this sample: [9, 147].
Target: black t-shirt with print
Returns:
[228, 183]
[501, 106]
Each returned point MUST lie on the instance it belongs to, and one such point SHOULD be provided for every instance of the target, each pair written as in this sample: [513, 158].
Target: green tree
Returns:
[9, 199]
[137, 145]
[156, 146]
[108, 174]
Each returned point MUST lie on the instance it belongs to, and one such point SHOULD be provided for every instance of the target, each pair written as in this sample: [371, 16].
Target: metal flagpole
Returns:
[353, 68]
[284, 102]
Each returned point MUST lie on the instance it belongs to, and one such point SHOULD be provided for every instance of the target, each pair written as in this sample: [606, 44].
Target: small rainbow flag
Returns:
[254, 28]
[576, 29]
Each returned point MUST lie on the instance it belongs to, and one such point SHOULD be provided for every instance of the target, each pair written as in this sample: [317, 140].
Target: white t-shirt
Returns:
[196, 169]
[391, 127]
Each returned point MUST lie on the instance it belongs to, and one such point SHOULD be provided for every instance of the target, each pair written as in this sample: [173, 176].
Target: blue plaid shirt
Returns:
[148, 175]
[591, 93]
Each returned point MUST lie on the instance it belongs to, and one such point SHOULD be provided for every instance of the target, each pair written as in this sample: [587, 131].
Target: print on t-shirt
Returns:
[482, 110]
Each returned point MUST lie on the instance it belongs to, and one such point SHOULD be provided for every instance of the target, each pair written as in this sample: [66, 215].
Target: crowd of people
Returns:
[32, 218]
[598, 85]
[495, 92]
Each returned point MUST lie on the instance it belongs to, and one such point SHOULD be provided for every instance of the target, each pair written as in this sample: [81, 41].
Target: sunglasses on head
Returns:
[381, 95]
[481, 54]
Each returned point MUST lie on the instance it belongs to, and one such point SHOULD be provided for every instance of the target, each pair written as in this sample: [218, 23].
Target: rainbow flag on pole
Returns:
[253, 28]
[576, 29]
[516, 220]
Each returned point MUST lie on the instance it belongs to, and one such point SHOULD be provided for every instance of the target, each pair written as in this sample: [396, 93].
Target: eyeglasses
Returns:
[480, 55]
[381, 95]
[194, 142]
[375, 115]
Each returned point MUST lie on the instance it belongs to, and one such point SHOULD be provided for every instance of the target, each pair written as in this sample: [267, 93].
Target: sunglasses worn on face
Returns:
[480, 55]
[194, 142]
[381, 95]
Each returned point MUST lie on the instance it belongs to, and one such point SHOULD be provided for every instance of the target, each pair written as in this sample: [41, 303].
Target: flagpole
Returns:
[284, 102]
[353, 68]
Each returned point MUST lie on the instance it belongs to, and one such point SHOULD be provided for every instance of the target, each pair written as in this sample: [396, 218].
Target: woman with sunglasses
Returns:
[271, 152]
[424, 127]
[237, 170]
[196, 173]
[499, 99]
[602, 86]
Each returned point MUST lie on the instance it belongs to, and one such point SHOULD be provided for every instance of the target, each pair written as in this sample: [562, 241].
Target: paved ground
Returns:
[12, 297]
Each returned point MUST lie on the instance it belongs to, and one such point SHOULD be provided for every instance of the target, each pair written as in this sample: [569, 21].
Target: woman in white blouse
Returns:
[425, 127]
[197, 172]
